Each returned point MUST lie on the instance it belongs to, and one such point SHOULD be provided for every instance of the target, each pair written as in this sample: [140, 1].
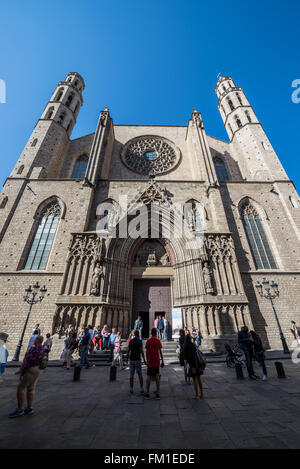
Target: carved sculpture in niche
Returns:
[151, 253]
[96, 279]
[207, 277]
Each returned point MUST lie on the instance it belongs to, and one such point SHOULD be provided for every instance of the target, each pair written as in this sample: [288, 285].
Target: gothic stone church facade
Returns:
[49, 213]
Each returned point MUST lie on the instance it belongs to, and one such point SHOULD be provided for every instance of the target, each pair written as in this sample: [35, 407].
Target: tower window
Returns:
[257, 238]
[221, 169]
[239, 99]
[21, 169]
[80, 167]
[50, 113]
[59, 95]
[44, 236]
[231, 104]
[238, 121]
[61, 118]
[248, 116]
[34, 142]
[70, 99]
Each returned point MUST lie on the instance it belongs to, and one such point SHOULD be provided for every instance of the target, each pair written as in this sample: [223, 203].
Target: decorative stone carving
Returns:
[96, 279]
[151, 253]
[150, 155]
[207, 278]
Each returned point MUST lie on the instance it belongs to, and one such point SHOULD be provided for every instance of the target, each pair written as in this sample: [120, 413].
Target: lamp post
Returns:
[33, 295]
[270, 291]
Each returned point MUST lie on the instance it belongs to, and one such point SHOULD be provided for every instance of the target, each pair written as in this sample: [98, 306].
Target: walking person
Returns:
[160, 325]
[138, 326]
[3, 354]
[84, 359]
[48, 344]
[111, 344]
[245, 344]
[155, 362]
[181, 343]
[71, 346]
[29, 374]
[259, 353]
[118, 351]
[193, 369]
[134, 354]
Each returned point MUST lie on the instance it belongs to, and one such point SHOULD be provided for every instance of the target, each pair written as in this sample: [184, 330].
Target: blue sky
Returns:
[151, 63]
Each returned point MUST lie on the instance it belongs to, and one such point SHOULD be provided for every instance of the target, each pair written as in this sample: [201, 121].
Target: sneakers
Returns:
[157, 397]
[147, 396]
[16, 413]
[29, 411]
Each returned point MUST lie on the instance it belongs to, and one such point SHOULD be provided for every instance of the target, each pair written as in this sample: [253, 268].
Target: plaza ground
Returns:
[96, 413]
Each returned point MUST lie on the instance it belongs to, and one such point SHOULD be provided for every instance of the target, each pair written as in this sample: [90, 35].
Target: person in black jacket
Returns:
[245, 343]
[259, 352]
[193, 370]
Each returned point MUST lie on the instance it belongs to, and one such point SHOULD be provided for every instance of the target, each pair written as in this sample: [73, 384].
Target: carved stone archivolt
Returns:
[151, 253]
[150, 155]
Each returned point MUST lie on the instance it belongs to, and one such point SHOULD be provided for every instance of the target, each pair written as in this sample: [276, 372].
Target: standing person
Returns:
[3, 354]
[193, 369]
[296, 331]
[32, 339]
[155, 361]
[195, 334]
[245, 343]
[105, 335]
[48, 344]
[97, 340]
[138, 326]
[166, 328]
[259, 353]
[111, 344]
[160, 325]
[84, 359]
[36, 328]
[29, 374]
[70, 329]
[134, 353]
[71, 346]
[156, 323]
[182, 338]
[118, 351]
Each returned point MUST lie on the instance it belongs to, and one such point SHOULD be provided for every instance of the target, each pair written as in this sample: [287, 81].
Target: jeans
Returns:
[166, 334]
[140, 332]
[84, 355]
[2, 368]
[264, 368]
[248, 356]
[104, 342]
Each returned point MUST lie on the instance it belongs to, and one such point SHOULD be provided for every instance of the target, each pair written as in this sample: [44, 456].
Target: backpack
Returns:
[200, 360]
[44, 361]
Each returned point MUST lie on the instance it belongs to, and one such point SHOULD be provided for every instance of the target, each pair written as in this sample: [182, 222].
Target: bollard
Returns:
[239, 371]
[113, 373]
[280, 370]
[77, 371]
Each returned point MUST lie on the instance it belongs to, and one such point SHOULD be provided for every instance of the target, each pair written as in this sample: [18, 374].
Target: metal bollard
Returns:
[239, 371]
[77, 371]
[113, 373]
[280, 370]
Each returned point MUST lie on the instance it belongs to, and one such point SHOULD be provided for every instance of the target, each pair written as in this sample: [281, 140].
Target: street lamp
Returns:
[33, 295]
[270, 291]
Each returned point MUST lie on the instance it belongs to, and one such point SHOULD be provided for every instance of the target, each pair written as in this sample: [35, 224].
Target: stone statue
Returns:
[207, 278]
[96, 279]
[151, 259]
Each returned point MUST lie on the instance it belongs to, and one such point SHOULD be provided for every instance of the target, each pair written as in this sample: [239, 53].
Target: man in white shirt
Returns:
[32, 339]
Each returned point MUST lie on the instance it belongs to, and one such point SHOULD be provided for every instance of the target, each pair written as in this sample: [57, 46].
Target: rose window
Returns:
[150, 155]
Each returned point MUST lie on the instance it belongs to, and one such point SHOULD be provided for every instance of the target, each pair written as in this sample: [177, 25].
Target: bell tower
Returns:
[43, 155]
[256, 156]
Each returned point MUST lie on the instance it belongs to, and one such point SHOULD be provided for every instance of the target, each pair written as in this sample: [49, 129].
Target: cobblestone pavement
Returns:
[95, 413]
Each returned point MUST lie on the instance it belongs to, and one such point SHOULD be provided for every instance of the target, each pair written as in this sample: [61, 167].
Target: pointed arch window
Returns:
[257, 238]
[230, 104]
[43, 238]
[80, 167]
[221, 170]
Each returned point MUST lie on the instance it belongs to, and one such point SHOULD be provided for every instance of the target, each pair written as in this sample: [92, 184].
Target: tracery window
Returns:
[221, 169]
[43, 239]
[257, 238]
[80, 167]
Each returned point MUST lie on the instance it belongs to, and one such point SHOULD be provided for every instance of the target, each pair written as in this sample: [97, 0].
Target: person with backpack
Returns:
[33, 364]
[195, 364]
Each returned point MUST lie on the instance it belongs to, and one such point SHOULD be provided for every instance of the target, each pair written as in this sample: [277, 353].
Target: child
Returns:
[3, 354]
